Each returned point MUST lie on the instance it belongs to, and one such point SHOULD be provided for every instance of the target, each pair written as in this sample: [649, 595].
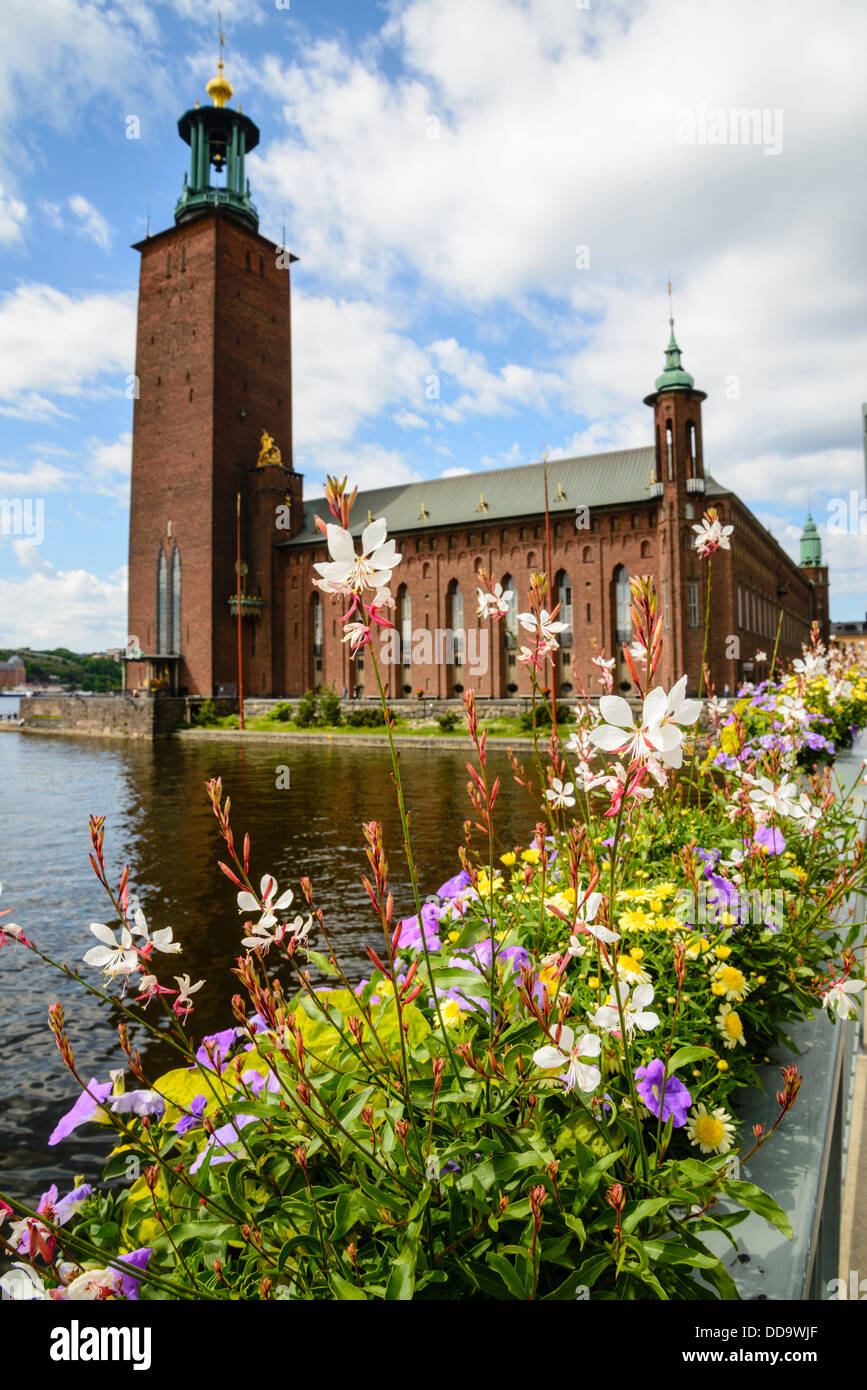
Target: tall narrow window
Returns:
[669, 449]
[456, 620]
[740, 606]
[162, 607]
[692, 602]
[692, 462]
[510, 618]
[175, 643]
[666, 606]
[405, 611]
[318, 626]
[563, 590]
[621, 604]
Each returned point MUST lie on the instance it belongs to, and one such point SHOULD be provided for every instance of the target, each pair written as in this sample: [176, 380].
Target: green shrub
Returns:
[543, 717]
[448, 721]
[283, 711]
[329, 706]
[307, 712]
[365, 717]
[205, 714]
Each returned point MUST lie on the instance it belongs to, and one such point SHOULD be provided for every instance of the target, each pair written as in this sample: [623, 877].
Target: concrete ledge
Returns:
[457, 742]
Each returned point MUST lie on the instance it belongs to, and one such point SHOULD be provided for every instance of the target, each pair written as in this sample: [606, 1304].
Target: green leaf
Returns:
[346, 1213]
[641, 1210]
[684, 1055]
[746, 1194]
[509, 1275]
[345, 1291]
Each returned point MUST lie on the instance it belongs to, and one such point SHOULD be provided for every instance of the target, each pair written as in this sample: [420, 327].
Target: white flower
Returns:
[635, 1011]
[560, 794]
[543, 627]
[770, 800]
[495, 604]
[160, 940]
[263, 937]
[680, 710]
[21, 1284]
[654, 737]
[93, 1284]
[586, 916]
[138, 1103]
[271, 904]
[760, 656]
[112, 958]
[567, 1053]
[838, 998]
[186, 989]
[711, 535]
[369, 570]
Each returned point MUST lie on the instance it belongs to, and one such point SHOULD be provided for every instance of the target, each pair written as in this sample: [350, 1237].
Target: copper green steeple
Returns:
[675, 377]
[218, 138]
[811, 545]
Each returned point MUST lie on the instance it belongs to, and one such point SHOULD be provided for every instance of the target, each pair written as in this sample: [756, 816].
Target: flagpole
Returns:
[240, 650]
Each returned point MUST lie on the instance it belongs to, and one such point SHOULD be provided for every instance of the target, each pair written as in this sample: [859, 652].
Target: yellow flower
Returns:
[531, 856]
[761, 980]
[593, 981]
[508, 859]
[453, 935]
[634, 921]
[730, 1027]
[717, 988]
[451, 1012]
[637, 953]
[628, 969]
[722, 951]
[711, 1130]
[722, 1064]
[733, 982]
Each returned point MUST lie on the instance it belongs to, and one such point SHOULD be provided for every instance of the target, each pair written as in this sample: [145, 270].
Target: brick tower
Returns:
[213, 375]
[679, 484]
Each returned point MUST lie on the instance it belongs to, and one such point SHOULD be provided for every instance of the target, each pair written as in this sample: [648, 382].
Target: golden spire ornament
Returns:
[219, 88]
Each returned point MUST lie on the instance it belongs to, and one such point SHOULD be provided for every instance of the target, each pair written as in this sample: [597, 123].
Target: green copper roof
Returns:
[501, 494]
[811, 544]
[674, 378]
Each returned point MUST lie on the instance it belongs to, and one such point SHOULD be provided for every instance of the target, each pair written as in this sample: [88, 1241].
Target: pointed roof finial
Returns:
[219, 88]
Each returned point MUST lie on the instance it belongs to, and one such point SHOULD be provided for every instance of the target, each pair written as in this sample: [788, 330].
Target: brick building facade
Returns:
[213, 369]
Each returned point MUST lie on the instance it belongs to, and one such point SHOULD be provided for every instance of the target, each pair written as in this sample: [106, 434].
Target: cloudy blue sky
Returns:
[492, 191]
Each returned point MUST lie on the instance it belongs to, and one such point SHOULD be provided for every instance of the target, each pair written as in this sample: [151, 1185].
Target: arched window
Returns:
[645, 549]
[657, 471]
[587, 554]
[318, 625]
[456, 620]
[669, 449]
[175, 643]
[510, 618]
[563, 595]
[621, 602]
[162, 645]
[404, 609]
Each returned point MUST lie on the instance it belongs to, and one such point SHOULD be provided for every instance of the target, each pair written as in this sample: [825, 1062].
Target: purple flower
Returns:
[676, 1100]
[194, 1119]
[139, 1103]
[453, 886]
[83, 1110]
[136, 1259]
[221, 1043]
[224, 1141]
[71, 1203]
[770, 839]
[410, 931]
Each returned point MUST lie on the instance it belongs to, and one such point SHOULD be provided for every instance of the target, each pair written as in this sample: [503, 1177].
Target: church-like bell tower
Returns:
[213, 376]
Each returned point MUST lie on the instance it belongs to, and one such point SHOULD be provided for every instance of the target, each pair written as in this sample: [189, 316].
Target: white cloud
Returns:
[91, 223]
[13, 214]
[366, 466]
[354, 364]
[33, 481]
[408, 420]
[455, 472]
[69, 608]
[54, 343]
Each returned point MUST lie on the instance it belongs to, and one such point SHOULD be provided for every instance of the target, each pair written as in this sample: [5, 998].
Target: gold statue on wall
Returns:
[268, 452]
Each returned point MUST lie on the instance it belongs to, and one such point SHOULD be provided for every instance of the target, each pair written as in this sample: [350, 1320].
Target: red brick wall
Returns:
[213, 340]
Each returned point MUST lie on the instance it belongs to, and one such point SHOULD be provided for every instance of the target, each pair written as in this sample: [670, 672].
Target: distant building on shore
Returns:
[212, 454]
[851, 637]
[12, 672]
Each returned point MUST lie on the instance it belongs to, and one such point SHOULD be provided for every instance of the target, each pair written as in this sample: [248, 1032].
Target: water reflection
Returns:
[159, 819]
